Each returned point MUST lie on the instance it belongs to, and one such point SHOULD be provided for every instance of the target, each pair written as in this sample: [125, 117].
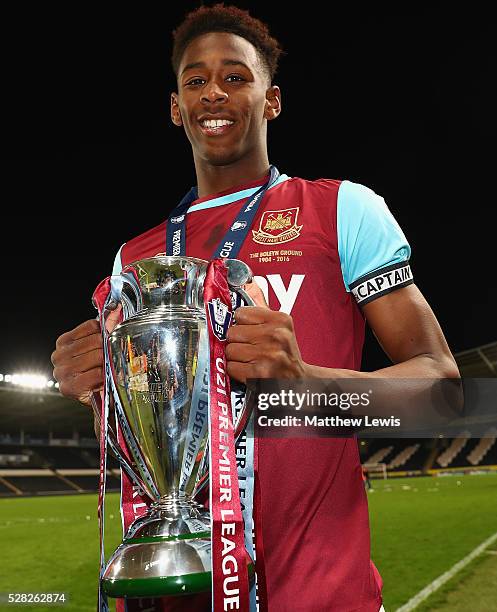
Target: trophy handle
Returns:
[239, 274]
[130, 294]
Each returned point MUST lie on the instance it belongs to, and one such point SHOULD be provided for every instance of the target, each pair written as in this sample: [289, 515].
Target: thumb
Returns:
[255, 292]
[113, 319]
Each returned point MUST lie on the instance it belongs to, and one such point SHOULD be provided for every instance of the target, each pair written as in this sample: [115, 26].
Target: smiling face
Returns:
[224, 99]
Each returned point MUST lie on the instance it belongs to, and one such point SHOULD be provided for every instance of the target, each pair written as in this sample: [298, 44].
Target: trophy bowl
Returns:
[158, 359]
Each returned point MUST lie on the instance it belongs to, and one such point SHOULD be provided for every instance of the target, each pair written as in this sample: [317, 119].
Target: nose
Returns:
[212, 93]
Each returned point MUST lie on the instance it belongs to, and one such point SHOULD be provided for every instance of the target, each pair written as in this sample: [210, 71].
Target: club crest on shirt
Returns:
[219, 317]
[277, 226]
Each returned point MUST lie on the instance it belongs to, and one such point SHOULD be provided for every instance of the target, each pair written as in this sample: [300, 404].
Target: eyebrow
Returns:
[226, 62]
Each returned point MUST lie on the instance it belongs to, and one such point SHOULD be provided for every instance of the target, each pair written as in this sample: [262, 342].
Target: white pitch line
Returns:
[438, 582]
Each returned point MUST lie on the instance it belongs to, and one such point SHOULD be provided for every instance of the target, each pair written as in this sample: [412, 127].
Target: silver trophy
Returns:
[158, 358]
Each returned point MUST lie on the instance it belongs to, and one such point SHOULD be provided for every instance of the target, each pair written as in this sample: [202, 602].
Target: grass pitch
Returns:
[50, 544]
[420, 528]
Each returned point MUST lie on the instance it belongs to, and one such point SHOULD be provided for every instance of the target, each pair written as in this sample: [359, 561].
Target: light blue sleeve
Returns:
[373, 249]
[118, 266]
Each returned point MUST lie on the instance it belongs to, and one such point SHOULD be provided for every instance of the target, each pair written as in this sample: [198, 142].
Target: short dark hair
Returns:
[230, 19]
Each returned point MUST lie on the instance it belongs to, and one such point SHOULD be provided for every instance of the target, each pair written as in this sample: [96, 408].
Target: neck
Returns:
[213, 179]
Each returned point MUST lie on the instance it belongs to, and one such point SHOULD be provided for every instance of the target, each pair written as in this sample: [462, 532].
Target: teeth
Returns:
[215, 123]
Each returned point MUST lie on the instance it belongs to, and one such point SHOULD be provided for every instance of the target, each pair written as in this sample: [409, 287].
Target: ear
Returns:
[175, 112]
[273, 103]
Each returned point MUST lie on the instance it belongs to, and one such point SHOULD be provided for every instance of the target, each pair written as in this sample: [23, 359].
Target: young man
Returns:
[327, 255]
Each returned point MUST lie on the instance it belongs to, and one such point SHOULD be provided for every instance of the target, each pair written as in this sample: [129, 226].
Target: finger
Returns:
[255, 292]
[81, 331]
[245, 333]
[238, 371]
[270, 334]
[251, 315]
[88, 361]
[81, 384]
[113, 319]
[81, 346]
[92, 380]
[240, 352]
[78, 365]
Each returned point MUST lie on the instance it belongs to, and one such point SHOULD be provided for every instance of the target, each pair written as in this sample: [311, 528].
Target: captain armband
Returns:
[380, 282]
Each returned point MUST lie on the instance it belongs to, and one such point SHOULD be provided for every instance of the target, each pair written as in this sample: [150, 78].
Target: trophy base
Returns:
[164, 553]
[145, 561]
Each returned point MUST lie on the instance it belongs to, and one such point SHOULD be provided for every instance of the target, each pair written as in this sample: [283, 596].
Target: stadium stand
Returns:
[68, 457]
[4, 489]
[13, 459]
[491, 456]
[48, 446]
[477, 455]
[40, 433]
[86, 483]
[396, 454]
[401, 458]
[30, 458]
[93, 461]
[417, 459]
[456, 446]
[39, 484]
[380, 455]
[461, 460]
[480, 362]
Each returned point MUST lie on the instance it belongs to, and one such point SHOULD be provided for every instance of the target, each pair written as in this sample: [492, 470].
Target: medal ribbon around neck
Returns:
[232, 242]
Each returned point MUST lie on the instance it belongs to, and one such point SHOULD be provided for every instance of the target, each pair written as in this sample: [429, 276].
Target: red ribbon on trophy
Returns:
[230, 589]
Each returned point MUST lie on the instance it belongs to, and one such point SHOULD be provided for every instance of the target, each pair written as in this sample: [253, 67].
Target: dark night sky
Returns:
[399, 102]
